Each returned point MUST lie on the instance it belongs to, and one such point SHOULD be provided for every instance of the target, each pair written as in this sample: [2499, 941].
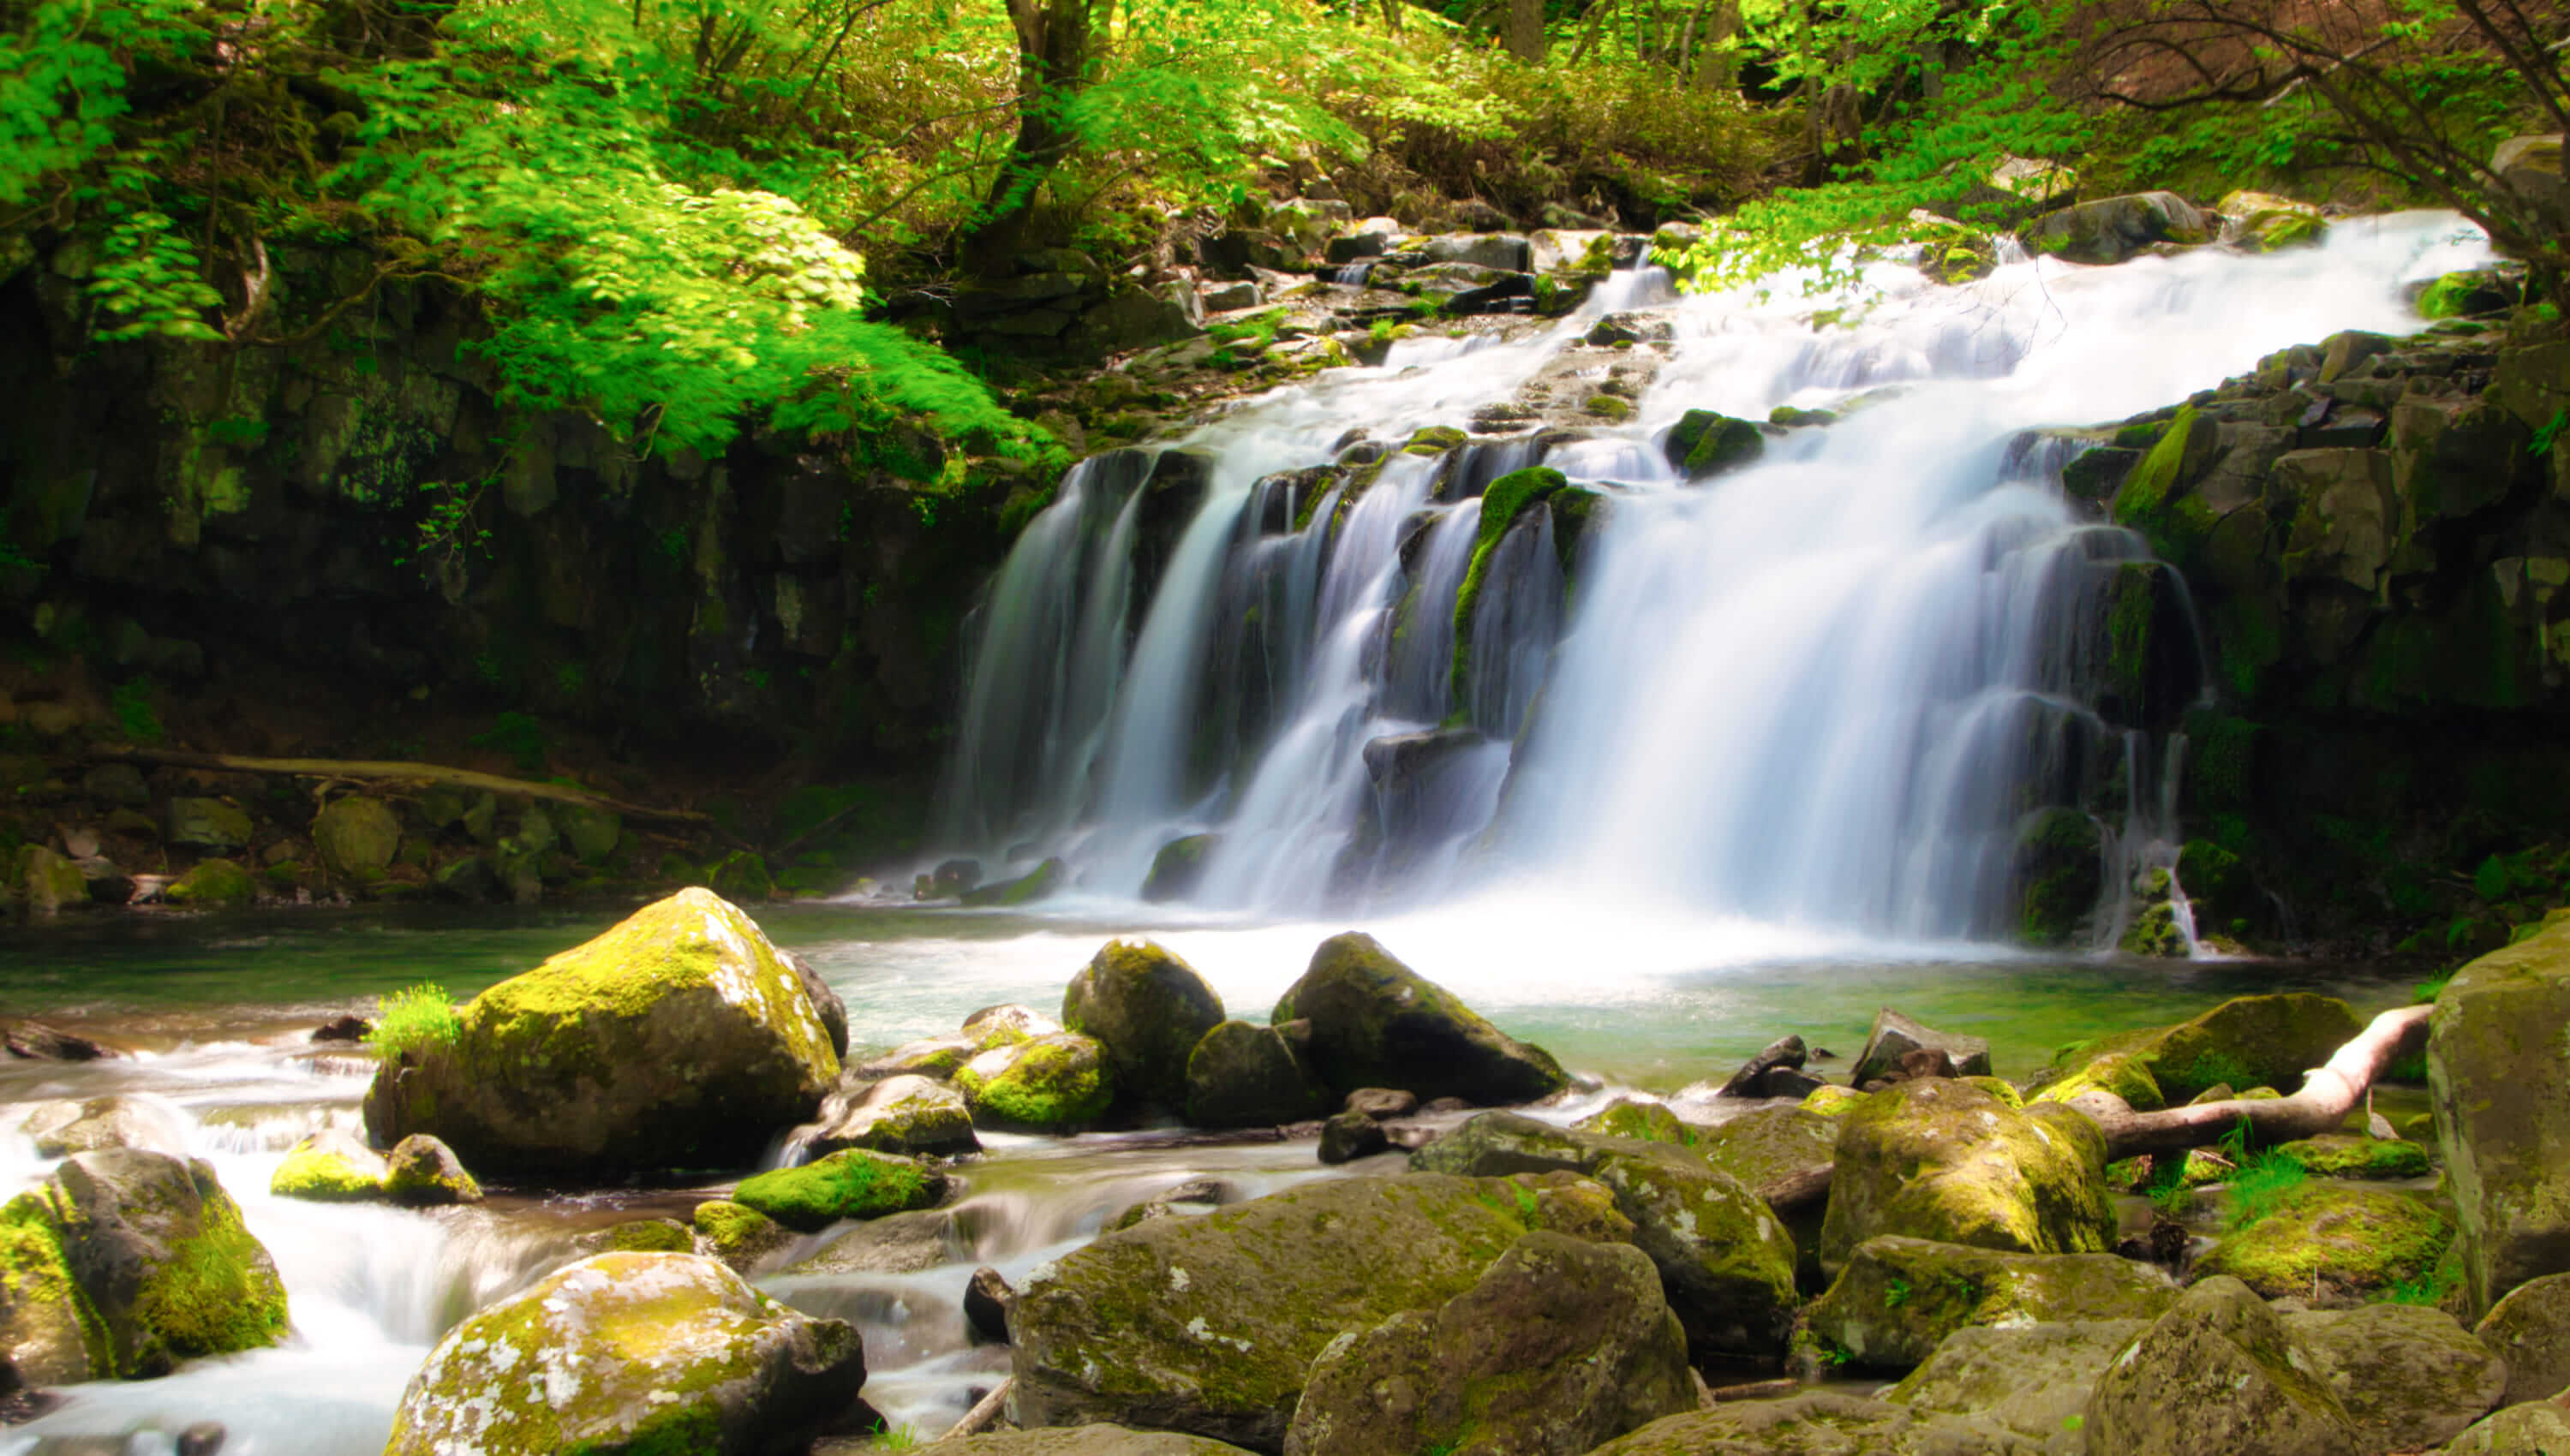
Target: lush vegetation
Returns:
[414, 1020]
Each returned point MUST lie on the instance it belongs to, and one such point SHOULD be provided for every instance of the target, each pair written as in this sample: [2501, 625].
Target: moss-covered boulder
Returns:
[2495, 1045]
[356, 838]
[1052, 1084]
[207, 823]
[2535, 1428]
[739, 1235]
[1376, 1023]
[1178, 867]
[1775, 1151]
[422, 1172]
[121, 1120]
[1895, 1037]
[160, 1252]
[1898, 1298]
[1210, 1324]
[2216, 1373]
[2125, 1074]
[2409, 1376]
[212, 884]
[1945, 1161]
[640, 1235]
[330, 1167]
[1704, 444]
[1092, 1440]
[2030, 1381]
[1813, 1423]
[2346, 1243]
[2530, 1329]
[2111, 229]
[1560, 1345]
[909, 1115]
[1034, 885]
[1645, 1121]
[50, 883]
[638, 1354]
[850, 1183]
[1147, 1008]
[2252, 1041]
[49, 1333]
[1833, 1101]
[1245, 1075]
[677, 1039]
[2346, 1155]
[1725, 1259]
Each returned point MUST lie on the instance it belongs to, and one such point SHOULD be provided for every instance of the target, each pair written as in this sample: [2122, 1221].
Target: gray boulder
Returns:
[1896, 1036]
[159, 1251]
[2497, 1032]
[1560, 1345]
[2112, 229]
[2030, 1379]
[909, 1115]
[2538, 1428]
[1378, 1023]
[2409, 1376]
[1505, 251]
[1149, 1009]
[2216, 1373]
[2530, 1329]
[1898, 1299]
[1243, 1075]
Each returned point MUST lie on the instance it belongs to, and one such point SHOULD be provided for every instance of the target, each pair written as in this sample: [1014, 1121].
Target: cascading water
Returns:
[1826, 689]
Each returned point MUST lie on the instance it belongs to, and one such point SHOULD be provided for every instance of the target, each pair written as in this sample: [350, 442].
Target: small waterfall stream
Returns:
[1825, 690]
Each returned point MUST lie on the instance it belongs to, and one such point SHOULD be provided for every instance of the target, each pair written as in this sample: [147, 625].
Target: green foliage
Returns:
[134, 714]
[62, 80]
[413, 1020]
[518, 735]
[149, 281]
[2263, 1184]
[2551, 431]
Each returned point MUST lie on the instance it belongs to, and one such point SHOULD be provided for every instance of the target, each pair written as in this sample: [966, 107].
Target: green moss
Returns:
[1502, 502]
[216, 1293]
[2152, 500]
[1608, 407]
[325, 1177]
[651, 1235]
[1052, 1082]
[216, 881]
[42, 1294]
[2341, 1240]
[1704, 443]
[2125, 1074]
[2341, 1155]
[735, 1230]
[1833, 1100]
[1647, 1122]
[413, 1020]
[853, 1183]
[1436, 440]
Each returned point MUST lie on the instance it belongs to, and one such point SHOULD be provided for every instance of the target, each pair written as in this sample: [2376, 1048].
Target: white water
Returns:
[1801, 696]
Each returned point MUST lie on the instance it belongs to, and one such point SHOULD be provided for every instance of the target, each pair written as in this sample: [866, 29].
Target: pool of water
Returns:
[219, 1011]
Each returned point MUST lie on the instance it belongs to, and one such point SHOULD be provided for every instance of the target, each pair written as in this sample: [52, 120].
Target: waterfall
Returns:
[1832, 689]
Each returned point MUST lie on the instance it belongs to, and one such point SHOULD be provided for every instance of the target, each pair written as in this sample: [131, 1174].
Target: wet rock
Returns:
[34, 1041]
[1382, 1103]
[954, 877]
[47, 1336]
[1209, 1324]
[1812, 1423]
[344, 1029]
[2056, 875]
[1034, 886]
[2030, 1381]
[1726, 1262]
[2264, 222]
[1947, 1162]
[1646, 1121]
[640, 1235]
[1376, 1023]
[2498, 1029]
[987, 1302]
[909, 1114]
[330, 1167]
[850, 1183]
[422, 1172]
[825, 1001]
[123, 1121]
[2530, 1329]
[672, 1352]
[1560, 1345]
[106, 884]
[1704, 444]
[159, 1251]
[1091, 1440]
[2409, 1377]
[356, 838]
[1147, 1008]
[1896, 1036]
[913, 1241]
[204, 1438]
[2343, 1243]
[1749, 1081]
[49, 883]
[1352, 1134]
[2111, 229]
[212, 885]
[1898, 1299]
[2220, 1358]
[1243, 1075]
[209, 824]
[677, 1039]
[1053, 1083]
[994, 1026]
[1178, 867]
[737, 1234]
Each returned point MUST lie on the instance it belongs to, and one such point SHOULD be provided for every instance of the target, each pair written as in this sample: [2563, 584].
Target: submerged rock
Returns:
[1946, 1160]
[632, 1354]
[850, 1183]
[677, 1039]
[1053, 1083]
[1898, 1299]
[1560, 1345]
[120, 1121]
[159, 1252]
[1035, 884]
[1376, 1023]
[1244, 1075]
[1147, 1008]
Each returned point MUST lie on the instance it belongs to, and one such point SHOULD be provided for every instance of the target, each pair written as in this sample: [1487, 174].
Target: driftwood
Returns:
[2329, 1094]
[397, 772]
[985, 1414]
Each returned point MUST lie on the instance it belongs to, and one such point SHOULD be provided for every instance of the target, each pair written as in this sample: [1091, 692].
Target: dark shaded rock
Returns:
[1147, 1008]
[1895, 1037]
[160, 1250]
[34, 1041]
[2220, 1359]
[987, 1301]
[343, 1028]
[1352, 1134]
[1376, 1023]
[1704, 444]
[1178, 867]
[1243, 1075]
[1749, 1081]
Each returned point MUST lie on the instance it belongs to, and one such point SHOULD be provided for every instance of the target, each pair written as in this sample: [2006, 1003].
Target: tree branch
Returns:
[2329, 1094]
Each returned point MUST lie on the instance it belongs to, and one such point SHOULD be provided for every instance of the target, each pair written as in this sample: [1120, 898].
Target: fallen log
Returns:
[983, 1415]
[396, 772]
[2329, 1094]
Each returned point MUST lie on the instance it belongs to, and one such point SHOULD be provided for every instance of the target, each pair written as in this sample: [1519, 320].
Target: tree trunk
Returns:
[2329, 1094]
[1526, 31]
[1056, 40]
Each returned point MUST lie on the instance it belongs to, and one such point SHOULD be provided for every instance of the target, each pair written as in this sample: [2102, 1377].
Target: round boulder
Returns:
[677, 1039]
[1378, 1023]
[632, 1353]
[2530, 1329]
[850, 1183]
[356, 838]
[1051, 1084]
[1243, 1075]
[1149, 1009]
[1946, 1160]
[422, 1172]
[330, 1167]
[159, 1251]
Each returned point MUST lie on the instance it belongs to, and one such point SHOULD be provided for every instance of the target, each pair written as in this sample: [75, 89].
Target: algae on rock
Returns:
[853, 1183]
[1946, 1160]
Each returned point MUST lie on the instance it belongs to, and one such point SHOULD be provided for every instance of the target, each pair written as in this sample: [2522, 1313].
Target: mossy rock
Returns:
[2249, 1041]
[2346, 1155]
[741, 876]
[678, 1040]
[1245, 1075]
[1378, 1023]
[1833, 1100]
[1807, 1424]
[2057, 875]
[212, 884]
[2530, 1329]
[938, 1058]
[1178, 867]
[909, 1115]
[852, 1183]
[50, 883]
[2125, 1074]
[739, 1235]
[1771, 1148]
[1726, 1261]
[1704, 444]
[208, 823]
[1007, 1025]
[49, 1330]
[1147, 1008]
[2217, 1372]
[422, 1172]
[356, 838]
[2346, 1243]
[2409, 1377]
[1052, 1084]
[330, 1167]
[2031, 1381]
[159, 1251]
[1035, 884]
[2497, 1033]
[1945, 1161]
[1646, 1121]
[643, 1235]
[657, 1354]
[1898, 1298]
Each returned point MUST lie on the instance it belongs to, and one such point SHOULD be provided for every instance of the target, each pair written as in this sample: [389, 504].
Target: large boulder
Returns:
[356, 838]
[1561, 1345]
[1245, 1075]
[2530, 1329]
[2535, 1428]
[2494, 1047]
[1149, 1009]
[635, 1354]
[1946, 1160]
[2216, 1373]
[1209, 1324]
[2409, 1376]
[48, 1336]
[909, 1115]
[1095, 1440]
[2251, 1041]
[1898, 1299]
[677, 1039]
[852, 1183]
[2112, 229]
[2335, 1242]
[1052, 1084]
[160, 1252]
[1378, 1023]
[2029, 1379]
[1783, 1152]
[1815, 1423]
[1896, 1036]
